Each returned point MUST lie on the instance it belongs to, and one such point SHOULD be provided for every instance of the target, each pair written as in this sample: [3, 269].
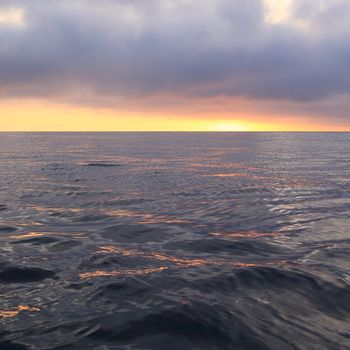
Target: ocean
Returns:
[175, 241]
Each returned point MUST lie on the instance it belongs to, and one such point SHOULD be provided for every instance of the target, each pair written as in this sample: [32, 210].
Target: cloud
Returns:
[110, 51]
[11, 16]
[277, 11]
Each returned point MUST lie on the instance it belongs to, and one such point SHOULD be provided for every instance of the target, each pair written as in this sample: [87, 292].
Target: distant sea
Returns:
[175, 241]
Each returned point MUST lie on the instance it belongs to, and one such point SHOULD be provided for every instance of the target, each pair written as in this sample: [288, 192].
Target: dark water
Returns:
[175, 241]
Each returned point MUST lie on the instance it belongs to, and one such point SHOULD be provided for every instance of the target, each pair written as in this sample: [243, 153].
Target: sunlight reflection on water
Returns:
[150, 240]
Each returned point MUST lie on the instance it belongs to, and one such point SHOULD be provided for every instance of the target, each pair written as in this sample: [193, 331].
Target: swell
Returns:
[184, 241]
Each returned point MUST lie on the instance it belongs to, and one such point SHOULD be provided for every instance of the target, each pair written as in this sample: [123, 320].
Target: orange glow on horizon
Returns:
[31, 115]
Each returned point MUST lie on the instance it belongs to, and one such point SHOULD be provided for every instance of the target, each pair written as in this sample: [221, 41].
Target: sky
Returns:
[175, 65]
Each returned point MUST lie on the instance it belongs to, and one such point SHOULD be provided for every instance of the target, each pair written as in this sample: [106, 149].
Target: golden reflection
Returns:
[244, 265]
[17, 310]
[162, 220]
[154, 256]
[124, 213]
[118, 250]
[227, 175]
[146, 218]
[268, 179]
[33, 223]
[55, 209]
[132, 272]
[27, 235]
[246, 234]
[41, 234]
[236, 166]
[183, 262]
[223, 175]
[141, 217]
[178, 261]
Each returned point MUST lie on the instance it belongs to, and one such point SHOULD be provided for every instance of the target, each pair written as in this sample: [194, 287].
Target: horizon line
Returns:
[175, 131]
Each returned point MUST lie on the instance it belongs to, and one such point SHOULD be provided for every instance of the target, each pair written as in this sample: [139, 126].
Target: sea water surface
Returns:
[175, 241]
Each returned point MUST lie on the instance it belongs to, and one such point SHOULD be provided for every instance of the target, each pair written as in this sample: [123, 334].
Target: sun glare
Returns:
[230, 126]
[12, 16]
[277, 11]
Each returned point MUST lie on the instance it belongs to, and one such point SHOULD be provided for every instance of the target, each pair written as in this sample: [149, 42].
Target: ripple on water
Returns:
[15, 311]
[174, 242]
[21, 274]
[37, 241]
[122, 272]
[140, 233]
[219, 246]
[7, 229]
[194, 325]
[102, 165]
[8, 345]
[127, 287]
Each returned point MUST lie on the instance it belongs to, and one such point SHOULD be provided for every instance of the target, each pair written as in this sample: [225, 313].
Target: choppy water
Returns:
[175, 241]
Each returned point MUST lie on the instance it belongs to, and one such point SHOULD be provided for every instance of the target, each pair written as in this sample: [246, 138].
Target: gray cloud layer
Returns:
[128, 48]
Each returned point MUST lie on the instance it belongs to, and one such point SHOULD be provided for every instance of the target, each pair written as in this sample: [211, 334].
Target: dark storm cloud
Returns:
[210, 48]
